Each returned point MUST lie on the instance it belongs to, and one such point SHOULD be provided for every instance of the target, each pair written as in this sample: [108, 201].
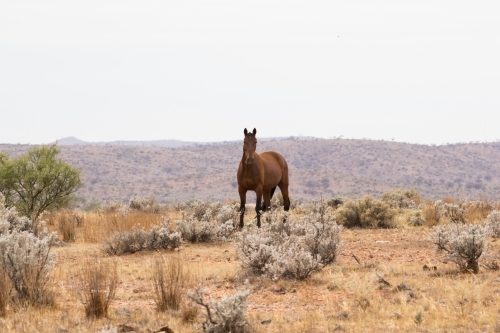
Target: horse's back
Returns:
[271, 157]
[275, 166]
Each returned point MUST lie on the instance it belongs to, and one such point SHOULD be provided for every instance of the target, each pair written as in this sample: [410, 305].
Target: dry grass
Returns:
[346, 296]
[96, 287]
[430, 213]
[98, 226]
[169, 277]
[477, 213]
[67, 227]
[4, 294]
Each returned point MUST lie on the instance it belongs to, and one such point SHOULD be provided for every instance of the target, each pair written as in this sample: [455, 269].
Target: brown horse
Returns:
[261, 173]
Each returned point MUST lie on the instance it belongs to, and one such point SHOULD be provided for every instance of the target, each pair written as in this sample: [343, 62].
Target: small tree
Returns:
[37, 181]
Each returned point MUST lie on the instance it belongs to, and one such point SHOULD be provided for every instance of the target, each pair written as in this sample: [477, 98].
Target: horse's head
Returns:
[249, 146]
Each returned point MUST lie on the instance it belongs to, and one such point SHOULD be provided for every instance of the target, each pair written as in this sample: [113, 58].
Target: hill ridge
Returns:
[318, 167]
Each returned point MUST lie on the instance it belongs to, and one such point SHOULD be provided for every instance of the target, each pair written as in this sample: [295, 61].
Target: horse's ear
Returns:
[254, 131]
[245, 131]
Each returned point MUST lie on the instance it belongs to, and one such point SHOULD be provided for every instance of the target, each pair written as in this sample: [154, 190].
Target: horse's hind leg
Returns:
[286, 199]
[266, 198]
[272, 192]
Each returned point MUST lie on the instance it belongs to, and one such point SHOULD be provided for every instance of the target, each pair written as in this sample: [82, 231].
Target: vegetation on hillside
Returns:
[350, 168]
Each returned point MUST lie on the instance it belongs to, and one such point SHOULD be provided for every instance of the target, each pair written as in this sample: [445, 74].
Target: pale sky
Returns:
[413, 71]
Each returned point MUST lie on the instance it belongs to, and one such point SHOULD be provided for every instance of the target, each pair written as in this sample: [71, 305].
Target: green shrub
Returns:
[366, 213]
[402, 198]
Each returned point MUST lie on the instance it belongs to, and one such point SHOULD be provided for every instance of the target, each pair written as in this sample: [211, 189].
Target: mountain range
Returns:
[177, 171]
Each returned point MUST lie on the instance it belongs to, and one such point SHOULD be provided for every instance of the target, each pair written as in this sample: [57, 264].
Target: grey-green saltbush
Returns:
[463, 244]
[492, 222]
[204, 232]
[10, 221]
[226, 316]
[211, 211]
[139, 239]
[291, 250]
[207, 222]
[26, 258]
[456, 213]
[148, 205]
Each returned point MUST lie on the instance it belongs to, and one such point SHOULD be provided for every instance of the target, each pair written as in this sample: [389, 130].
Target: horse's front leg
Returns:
[243, 199]
[258, 207]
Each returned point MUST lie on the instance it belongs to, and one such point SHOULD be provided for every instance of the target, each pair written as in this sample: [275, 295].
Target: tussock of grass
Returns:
[169, 278]
[4, 294]
[96, 287]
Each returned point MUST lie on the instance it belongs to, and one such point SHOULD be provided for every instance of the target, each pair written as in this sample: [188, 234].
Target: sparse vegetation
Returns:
[355, 280]
[351, 168]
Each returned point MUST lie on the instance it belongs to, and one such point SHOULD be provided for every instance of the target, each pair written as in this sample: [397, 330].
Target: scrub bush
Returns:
[463, 244]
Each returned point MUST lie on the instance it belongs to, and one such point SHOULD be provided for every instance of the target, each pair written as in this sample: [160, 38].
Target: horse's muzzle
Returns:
[249, 160]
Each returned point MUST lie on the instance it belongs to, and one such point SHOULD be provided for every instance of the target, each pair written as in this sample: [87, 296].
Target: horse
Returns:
[261, 173]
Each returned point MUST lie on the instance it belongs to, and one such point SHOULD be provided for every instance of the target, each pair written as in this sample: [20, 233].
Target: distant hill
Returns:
[318, 167]
[72, 141]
